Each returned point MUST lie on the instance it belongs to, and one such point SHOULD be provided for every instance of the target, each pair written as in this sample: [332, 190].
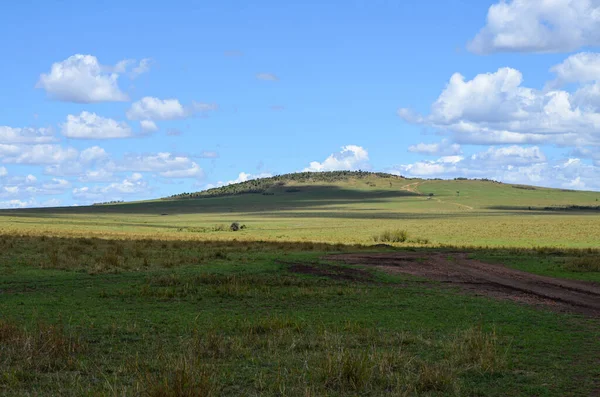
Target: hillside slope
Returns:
[340, 207]
[280, 182]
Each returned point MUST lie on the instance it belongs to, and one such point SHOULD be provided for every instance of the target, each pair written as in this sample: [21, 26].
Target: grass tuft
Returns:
[391, 236]
[585, 264]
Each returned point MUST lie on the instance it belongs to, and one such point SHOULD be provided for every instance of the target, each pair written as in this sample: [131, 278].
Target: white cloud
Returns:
[242, 177]
[539, 26]
[3, 172]
[36, 154]
[26, 135]
[141, 68]
[81, 79]
[148, 126]
[351, 157]
[443, 148]
[578, 68]
[92, 154]
[130, 186]
[513, 164]
[100, 175]
[442, 166]
[29, 187]
[267, 77]
[193, 172]
[150, 108]
[511, 155]
[77, 164]
[121, 66]
[164, 164]
[494, 108]
[15, 203]
[91, 126]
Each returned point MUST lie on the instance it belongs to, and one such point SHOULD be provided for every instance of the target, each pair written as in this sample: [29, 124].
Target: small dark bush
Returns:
[392, 236]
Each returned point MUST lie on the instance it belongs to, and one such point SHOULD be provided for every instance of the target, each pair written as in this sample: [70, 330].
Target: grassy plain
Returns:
[349, 212]
[152, 298]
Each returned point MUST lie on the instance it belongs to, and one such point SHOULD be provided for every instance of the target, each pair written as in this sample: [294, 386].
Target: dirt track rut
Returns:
[487, 279]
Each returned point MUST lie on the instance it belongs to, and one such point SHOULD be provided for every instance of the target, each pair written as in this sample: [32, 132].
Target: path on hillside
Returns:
[496, 281]
[414, 188]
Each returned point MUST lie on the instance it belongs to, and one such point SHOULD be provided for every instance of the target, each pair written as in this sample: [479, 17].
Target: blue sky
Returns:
[135, 100]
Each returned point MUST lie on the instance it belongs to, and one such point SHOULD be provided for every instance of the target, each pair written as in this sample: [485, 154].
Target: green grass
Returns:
[568, 264]
[241, 321]
[160, 298]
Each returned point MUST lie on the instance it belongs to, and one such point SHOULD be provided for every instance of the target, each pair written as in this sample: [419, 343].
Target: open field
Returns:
[159, 298]
[347, 211]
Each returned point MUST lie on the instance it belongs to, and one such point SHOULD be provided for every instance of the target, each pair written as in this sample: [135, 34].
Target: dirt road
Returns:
[486, 279]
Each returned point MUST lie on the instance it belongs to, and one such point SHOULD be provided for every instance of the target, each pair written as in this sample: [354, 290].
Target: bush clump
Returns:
[391, 236]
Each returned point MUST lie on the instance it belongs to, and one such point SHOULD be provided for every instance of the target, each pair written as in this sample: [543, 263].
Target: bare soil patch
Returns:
[486, 279]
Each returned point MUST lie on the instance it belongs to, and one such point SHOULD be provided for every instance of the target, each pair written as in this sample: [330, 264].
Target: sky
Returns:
[139, 99]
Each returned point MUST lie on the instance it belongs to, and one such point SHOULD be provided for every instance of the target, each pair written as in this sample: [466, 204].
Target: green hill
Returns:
[340, 207]
[287, 182]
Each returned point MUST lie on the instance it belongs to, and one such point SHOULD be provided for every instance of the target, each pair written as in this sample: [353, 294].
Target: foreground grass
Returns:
[159, 318]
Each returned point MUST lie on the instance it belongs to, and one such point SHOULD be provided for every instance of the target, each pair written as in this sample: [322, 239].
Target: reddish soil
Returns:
[486, 279]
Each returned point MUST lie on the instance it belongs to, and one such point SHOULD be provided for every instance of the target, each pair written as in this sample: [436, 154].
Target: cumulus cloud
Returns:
[26, 187]
[92, 154]
[539, 26]
[495, 108]
[165, 164]
[242, 177]
[37, 154]
[91, 126]
[511, 155]
[99, 175]
[578, 68]
[78, 162]
[15, 203]
[148, 126]
[26, 135]
[351, 157]
[81, 79]
[130, 186]
[441, 167]
[3, 172]
[443, 148]
[150, 108]
[512, 164]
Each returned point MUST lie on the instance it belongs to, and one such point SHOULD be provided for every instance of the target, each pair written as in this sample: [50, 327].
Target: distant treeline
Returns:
[110, 202]
[573, 208]
[260, 186]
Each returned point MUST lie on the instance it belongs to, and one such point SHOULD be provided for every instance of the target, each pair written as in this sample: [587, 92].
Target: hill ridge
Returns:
[262, 185]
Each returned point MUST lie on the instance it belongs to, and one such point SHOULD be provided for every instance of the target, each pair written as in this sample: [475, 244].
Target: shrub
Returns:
[234, 227]
[392, 236]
